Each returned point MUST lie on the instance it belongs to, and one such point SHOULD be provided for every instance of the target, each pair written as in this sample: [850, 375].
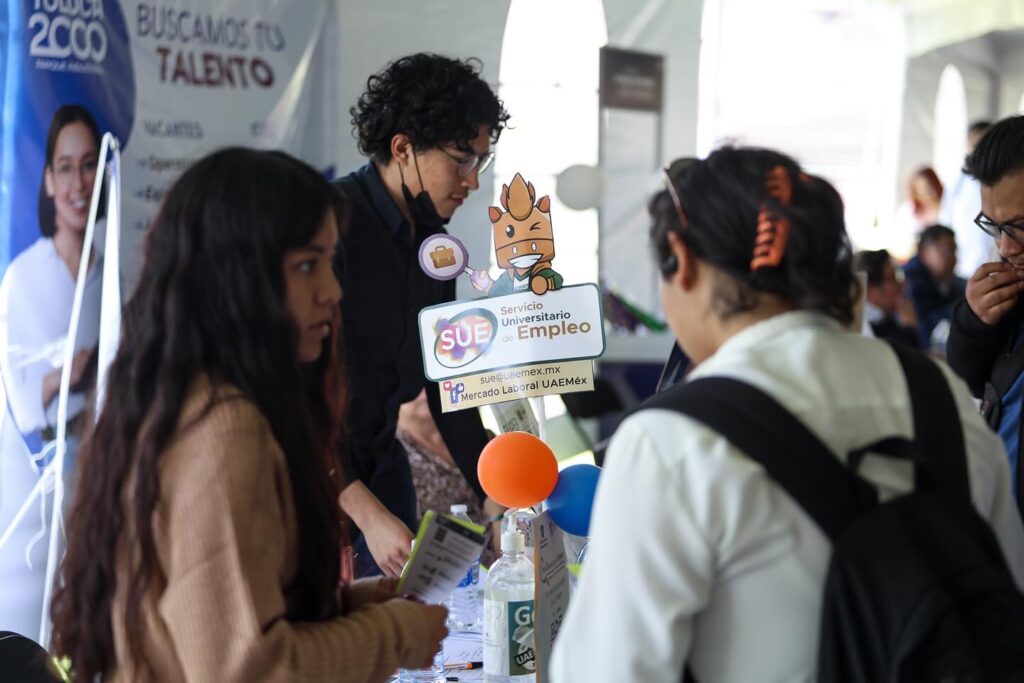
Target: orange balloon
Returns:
[517, 470]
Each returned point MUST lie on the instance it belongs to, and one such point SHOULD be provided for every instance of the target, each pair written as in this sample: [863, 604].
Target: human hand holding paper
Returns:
[370, 591]
[445, 548]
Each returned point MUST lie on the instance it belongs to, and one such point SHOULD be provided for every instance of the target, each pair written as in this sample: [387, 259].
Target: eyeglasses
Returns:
[670, 174]
[66, 171]
[1014, 230]
[480, 162]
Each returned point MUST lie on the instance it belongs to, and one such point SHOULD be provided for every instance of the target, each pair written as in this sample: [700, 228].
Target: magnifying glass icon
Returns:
[443, 257]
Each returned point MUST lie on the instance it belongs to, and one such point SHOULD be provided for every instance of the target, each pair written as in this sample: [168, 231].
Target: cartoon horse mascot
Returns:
[523, 242]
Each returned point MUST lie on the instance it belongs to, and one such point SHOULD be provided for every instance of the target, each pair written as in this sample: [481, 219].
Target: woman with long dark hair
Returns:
[206, 534]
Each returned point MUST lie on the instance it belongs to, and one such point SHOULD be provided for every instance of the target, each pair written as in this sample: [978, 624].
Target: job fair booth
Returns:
[552, 350]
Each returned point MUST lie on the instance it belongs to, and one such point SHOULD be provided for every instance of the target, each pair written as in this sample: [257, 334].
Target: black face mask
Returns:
[421, 207]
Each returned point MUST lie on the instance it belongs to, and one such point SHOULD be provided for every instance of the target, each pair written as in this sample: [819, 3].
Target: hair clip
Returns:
[779, 185]
[770, 241]
[773, 229]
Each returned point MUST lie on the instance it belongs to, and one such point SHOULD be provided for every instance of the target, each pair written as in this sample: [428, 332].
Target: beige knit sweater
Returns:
[226, 542]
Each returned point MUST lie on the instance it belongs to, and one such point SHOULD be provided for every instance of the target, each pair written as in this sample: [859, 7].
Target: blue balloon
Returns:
[573, 498]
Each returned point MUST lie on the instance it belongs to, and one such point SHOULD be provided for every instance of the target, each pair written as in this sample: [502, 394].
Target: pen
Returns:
[465, 665]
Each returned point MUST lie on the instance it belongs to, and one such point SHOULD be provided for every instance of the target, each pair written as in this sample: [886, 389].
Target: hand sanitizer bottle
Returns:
[508, 615]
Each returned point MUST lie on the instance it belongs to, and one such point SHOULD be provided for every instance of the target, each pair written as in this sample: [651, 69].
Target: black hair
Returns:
[979, 126]
[872, 263]
[210, 301]
[932, 234]
[722, 197]
[433, 99]
[999, 152]
[64, 116]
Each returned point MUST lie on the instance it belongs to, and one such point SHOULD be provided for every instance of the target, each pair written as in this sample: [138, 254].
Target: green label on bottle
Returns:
[521, 657]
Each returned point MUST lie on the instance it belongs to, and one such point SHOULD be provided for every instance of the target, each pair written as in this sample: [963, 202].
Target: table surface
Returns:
[457, 641]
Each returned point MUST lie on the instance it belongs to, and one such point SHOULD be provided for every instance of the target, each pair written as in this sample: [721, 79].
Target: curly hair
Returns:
[210, 301]
[433, 99]
[721, 196]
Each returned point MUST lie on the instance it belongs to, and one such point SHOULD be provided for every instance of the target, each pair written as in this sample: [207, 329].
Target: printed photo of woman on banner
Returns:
[65, 90]
[37, 290]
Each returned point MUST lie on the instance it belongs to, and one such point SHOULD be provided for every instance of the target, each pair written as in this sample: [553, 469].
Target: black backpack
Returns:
[917, 588]
[25, 661]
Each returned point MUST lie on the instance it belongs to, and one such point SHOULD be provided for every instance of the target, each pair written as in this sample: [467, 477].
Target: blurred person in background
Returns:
[961, 203]
[885, 307]
[438, 481]
[933, 286]
[919, 210]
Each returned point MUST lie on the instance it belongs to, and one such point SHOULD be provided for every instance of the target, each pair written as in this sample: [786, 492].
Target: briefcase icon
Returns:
[443, 257]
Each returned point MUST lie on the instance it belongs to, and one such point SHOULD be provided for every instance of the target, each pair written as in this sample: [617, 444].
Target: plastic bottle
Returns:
[521, 520]
[939, 337]
[464, 602]
[508, 615]
[434, 674]
[581, 559]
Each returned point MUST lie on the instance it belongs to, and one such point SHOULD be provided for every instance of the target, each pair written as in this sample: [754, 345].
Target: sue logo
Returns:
[464, 337]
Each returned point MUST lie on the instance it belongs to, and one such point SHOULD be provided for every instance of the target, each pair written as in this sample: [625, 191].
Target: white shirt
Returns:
[960, 206]
[697, 555]
[36, 296]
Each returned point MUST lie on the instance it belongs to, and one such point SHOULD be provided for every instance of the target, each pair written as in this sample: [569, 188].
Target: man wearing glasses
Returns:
[427, 124]
[986, 340]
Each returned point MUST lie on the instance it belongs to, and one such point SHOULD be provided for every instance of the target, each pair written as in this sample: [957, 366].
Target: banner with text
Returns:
[171, 80]
[481, 335]
[527, 381]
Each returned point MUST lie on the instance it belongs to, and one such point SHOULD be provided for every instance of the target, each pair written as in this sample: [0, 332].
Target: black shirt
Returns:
[384, 289]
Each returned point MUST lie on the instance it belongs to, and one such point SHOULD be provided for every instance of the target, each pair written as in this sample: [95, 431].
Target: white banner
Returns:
[209, 75]
[471, 337]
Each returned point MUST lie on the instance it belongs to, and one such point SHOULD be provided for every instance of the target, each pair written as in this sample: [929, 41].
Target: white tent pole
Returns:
[52, 560]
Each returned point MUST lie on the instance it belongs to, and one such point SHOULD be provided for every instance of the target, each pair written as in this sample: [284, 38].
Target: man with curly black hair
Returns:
[427, 123]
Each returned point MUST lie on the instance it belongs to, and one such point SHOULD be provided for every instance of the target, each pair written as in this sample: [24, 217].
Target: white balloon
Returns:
[580, 186]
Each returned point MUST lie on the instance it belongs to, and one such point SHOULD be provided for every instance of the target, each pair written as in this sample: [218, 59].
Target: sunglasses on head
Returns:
[671, 174]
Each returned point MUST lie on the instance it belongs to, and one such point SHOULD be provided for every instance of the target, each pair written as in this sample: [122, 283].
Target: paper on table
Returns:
[461, 647]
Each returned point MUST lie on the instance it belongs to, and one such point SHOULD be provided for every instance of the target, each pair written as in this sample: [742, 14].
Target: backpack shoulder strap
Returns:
[769, 434]
[937, 430]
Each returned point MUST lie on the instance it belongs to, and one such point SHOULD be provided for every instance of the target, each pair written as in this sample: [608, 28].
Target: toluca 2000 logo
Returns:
[464, 337]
